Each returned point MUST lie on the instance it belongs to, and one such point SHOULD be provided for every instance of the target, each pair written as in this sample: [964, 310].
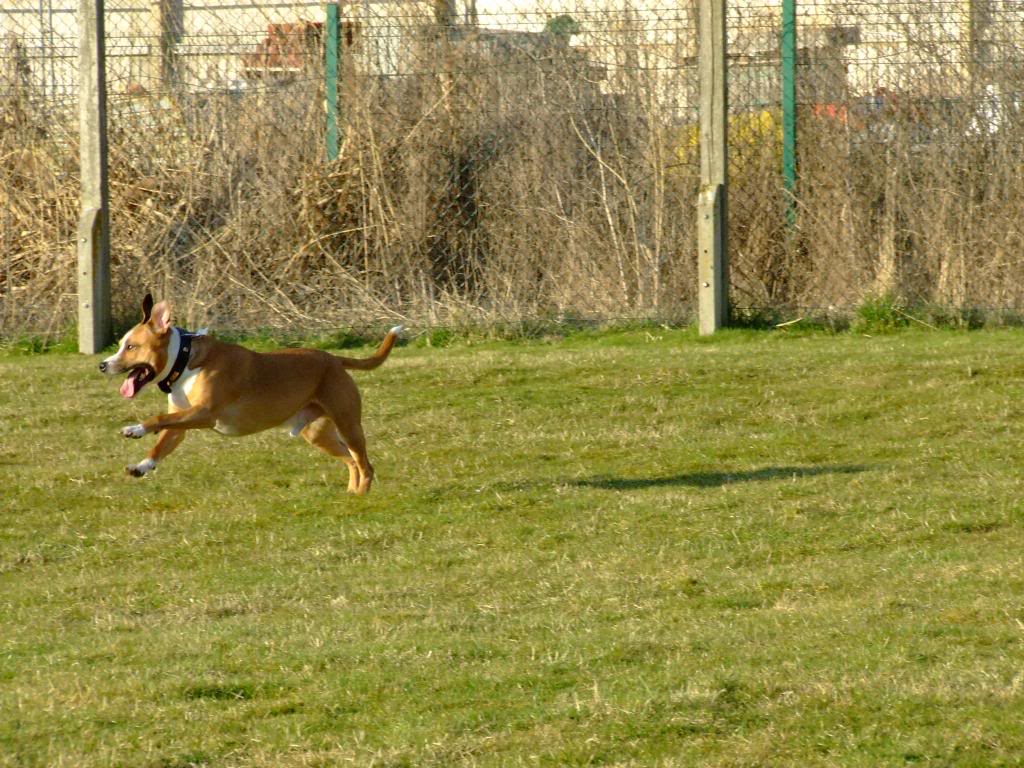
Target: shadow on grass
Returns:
[717, 479]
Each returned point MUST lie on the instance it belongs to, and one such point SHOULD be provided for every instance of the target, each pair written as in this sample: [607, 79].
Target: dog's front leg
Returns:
[169, 440]
[196, 417]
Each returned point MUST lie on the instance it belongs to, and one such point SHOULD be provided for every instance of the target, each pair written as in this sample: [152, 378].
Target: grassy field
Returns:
[632, 549]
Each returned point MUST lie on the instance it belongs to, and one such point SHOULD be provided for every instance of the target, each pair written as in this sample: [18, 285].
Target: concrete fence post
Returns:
[94, 323]
[712, 202]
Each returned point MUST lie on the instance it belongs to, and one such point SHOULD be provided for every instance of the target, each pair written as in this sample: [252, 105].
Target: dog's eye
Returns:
[129, 347]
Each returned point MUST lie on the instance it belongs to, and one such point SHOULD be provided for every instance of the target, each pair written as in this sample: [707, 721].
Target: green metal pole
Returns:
[331, 80]
[788, 45]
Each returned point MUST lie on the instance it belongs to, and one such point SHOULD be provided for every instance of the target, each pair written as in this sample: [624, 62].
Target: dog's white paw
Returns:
[134, 431]
[140, 469]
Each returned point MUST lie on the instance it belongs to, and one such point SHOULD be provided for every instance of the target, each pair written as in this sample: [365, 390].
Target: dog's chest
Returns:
[178, 397]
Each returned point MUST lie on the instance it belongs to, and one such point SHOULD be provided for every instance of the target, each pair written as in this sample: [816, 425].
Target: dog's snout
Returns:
[103, 367]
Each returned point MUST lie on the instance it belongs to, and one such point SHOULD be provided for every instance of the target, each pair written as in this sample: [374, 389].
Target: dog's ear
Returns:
[161, 318]
[147, 307]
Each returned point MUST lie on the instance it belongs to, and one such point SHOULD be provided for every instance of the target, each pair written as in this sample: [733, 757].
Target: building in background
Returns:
[949, 48]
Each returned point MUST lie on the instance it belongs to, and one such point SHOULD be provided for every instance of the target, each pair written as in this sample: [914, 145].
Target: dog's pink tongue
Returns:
[128, 388]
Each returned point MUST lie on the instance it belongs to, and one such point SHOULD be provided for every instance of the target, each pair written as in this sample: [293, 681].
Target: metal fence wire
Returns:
[296, 165]
[908, 156]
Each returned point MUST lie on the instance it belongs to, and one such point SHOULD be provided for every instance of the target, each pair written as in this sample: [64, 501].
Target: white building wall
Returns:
[921, 46]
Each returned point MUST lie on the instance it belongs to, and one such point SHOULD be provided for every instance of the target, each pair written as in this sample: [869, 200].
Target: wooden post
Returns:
[445, 14]
[979, 36]
[94, 325]
[712, 208]
[167, 26]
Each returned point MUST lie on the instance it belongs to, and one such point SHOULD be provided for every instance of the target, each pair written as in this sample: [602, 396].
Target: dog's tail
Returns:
[378, 357]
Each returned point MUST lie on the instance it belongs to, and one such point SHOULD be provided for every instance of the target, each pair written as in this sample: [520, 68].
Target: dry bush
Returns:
[916, 206]
[502, 186]
[38, 211]
[507, 179]
[910, 190]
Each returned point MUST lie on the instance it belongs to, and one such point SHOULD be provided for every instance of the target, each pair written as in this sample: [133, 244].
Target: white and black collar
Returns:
[179, 350]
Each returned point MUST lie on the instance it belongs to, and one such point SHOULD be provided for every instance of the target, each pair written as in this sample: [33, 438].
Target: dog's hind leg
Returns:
[340, 400]
[352, 433]
[322, 433]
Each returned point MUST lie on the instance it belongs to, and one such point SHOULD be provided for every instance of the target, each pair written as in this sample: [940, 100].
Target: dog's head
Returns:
[143, 350]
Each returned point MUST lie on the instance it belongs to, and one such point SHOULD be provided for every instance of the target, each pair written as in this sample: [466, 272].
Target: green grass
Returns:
[631, 549]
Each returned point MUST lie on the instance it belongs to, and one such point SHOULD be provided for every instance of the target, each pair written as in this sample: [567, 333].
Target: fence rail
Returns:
[515, 160]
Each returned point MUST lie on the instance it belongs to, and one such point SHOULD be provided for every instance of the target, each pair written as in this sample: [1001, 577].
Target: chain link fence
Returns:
[910, 148]
[494, 164]
[510, 161]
